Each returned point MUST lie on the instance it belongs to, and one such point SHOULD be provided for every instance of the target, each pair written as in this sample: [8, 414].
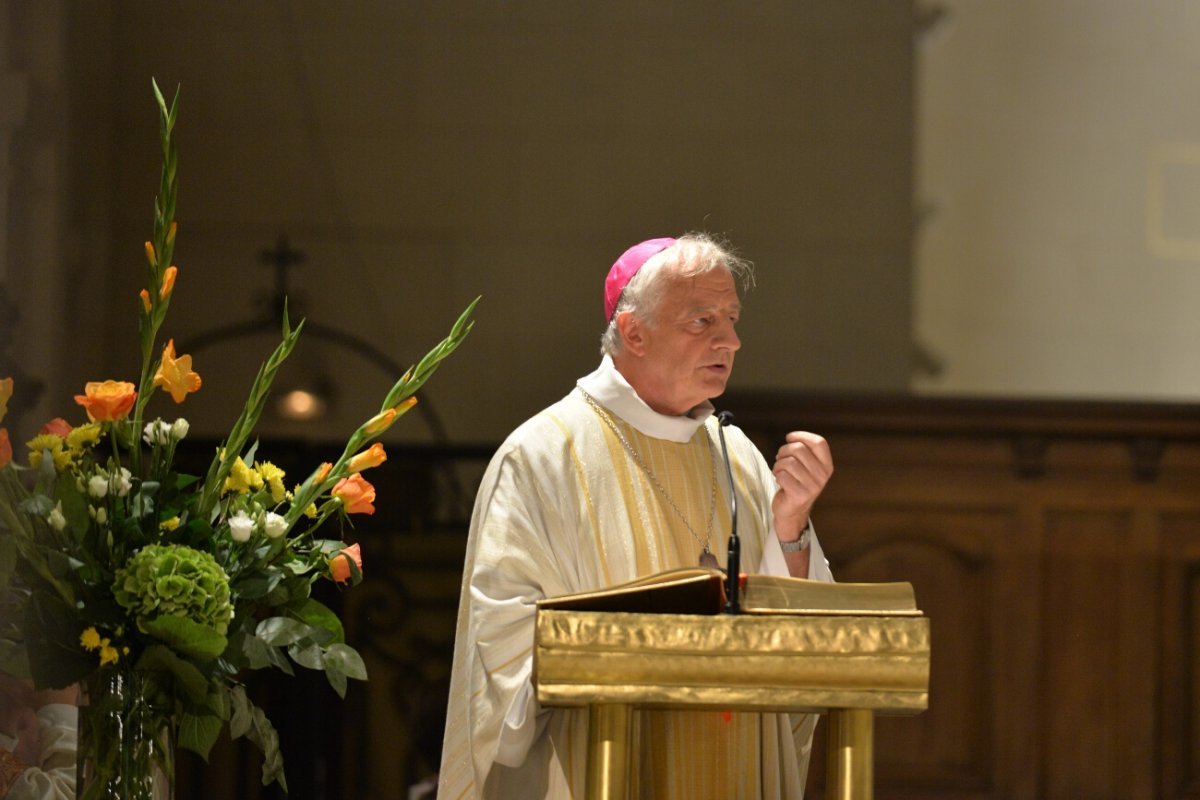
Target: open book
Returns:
[700, 590]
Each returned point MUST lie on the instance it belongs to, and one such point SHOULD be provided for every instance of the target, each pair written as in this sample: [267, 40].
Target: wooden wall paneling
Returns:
[1079, 753]
[1179, 695]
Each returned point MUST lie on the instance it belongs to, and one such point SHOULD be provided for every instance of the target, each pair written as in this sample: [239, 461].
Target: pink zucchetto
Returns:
[626, 267]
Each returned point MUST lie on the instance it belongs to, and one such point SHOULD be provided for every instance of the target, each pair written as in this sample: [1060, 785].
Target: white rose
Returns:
[56, 518]
[120, 483]
[240, 527]
[179, 429]
[274, 525]
[97, 485]
[157, 432]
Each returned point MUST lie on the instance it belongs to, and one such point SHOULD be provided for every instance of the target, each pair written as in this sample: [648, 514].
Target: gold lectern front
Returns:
[845, 665]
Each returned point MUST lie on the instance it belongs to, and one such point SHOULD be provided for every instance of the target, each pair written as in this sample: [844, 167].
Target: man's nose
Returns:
[727, 338]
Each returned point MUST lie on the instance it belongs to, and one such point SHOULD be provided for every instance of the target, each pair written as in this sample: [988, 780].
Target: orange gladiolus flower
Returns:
[145, 295]
[373, 456]
[108, 401]
[356, 494]
[6, 390]
[58, 426]
[339, 565]
[175, 374]
[168, 282]
[5, 448]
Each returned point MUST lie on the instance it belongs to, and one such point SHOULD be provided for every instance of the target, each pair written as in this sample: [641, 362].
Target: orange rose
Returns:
[373, 456]
[356, 494]
[175, 374]
[339, 565]
[5, 448]
[58, 426]
[109, 401]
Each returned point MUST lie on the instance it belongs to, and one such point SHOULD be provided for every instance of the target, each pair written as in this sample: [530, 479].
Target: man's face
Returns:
[688, 347]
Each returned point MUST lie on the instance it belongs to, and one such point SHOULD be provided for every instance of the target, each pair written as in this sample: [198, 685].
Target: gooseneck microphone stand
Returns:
[733, 565]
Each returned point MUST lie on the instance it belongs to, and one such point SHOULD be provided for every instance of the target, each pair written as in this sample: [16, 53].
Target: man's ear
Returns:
[632, 330]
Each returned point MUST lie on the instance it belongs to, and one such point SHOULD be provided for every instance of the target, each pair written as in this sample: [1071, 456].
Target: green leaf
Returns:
[188, 637]
[278, 631]
[74, 506]
[346, 660]
[307, 656]
[198, 732]
[187, 677]
[257, 653]
[52, 638]
[319, 615]
[248, 720]
[337, 680]
[218, 701]
[253, 587]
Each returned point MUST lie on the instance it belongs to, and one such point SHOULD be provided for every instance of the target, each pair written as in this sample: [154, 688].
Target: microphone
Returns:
[733, 563]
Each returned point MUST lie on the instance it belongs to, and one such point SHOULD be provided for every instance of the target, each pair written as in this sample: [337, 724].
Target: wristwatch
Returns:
[796, 545]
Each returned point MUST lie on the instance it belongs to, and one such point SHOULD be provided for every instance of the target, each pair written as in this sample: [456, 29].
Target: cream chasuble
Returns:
[563, 508]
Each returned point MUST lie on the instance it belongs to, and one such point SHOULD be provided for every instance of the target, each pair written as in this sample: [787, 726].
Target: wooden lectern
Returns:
[841, 663]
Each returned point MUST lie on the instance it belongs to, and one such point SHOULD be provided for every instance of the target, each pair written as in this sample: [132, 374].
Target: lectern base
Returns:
[848, 774]
[849, 763]
[610, 726]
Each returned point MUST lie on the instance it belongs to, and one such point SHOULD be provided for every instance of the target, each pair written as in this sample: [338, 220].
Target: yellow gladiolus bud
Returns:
[145, 295]
[168, 282]
[373, 456]
[150, 255]
[403, 407]
[380, 422]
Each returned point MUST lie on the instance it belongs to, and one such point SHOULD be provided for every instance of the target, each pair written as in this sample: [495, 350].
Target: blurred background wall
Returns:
[420, 154]
[975, 229]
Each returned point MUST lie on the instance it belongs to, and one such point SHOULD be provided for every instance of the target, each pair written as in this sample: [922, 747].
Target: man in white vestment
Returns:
[621, 479]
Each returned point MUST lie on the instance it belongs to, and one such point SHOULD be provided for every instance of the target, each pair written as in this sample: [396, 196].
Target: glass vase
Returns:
[126, 748]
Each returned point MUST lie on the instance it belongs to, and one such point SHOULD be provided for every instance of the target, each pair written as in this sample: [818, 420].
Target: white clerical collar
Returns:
[610, 389]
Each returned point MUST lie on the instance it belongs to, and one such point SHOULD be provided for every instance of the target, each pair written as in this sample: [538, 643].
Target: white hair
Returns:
[692, 254]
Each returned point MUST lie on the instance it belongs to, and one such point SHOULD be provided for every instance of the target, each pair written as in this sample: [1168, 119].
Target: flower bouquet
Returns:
[158, 590]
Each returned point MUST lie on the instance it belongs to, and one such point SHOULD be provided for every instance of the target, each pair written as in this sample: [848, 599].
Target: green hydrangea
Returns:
[174, 580]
